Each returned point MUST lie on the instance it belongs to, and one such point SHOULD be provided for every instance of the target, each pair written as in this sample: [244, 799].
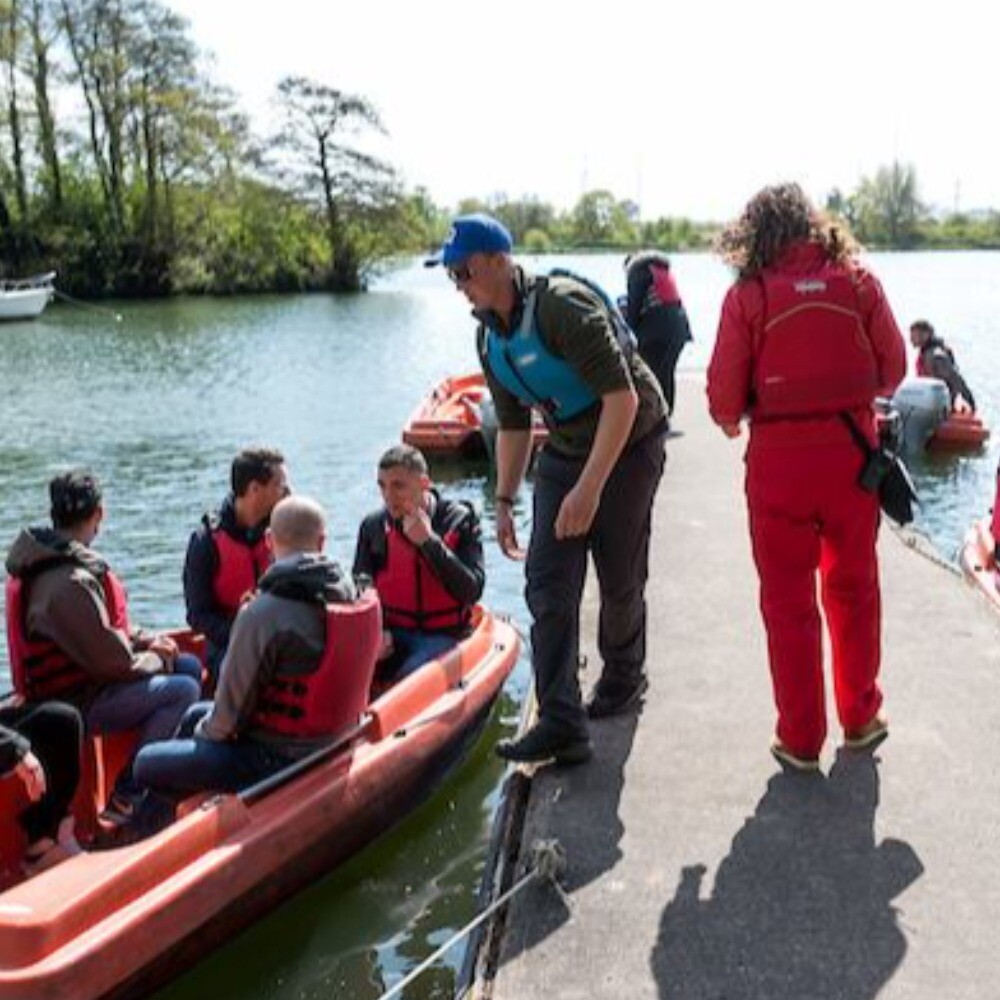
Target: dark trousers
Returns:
[55, 732]
[662, 334]
[619, 544]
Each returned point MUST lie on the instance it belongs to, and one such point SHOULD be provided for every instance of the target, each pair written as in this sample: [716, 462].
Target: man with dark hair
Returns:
[425, 556]
[935, 359]
[227, 554]
[70, 637]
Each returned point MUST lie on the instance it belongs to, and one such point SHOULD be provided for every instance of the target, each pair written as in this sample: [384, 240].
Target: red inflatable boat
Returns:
[978, 562]
[449, 421]
[114, 923]
[959, 432]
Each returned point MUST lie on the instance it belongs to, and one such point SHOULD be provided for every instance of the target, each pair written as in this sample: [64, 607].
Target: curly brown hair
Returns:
[774, 219]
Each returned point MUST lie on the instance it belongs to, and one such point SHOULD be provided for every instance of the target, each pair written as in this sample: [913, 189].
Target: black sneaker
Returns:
[544, 742]
[615, 697]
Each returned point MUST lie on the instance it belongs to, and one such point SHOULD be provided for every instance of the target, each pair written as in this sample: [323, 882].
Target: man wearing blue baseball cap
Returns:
[555, 343]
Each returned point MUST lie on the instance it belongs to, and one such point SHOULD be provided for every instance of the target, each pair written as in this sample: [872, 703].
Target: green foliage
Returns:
[537, 241]
[156, 183]
[885, 212]
[159, 186]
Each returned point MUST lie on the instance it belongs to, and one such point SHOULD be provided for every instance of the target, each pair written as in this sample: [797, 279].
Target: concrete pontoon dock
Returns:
[696, 868]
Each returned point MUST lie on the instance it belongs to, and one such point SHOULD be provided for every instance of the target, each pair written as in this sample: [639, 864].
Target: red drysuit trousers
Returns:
[809, 516]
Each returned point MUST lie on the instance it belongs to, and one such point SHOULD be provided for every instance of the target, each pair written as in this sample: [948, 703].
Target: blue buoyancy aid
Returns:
[527, 369]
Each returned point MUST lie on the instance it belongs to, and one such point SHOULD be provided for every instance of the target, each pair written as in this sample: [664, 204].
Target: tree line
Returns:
[127, 169]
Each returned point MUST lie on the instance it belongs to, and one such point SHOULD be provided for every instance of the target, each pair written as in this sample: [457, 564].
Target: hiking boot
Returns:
[793, 762]
[544, 742]
[615, 697]
[869, 735]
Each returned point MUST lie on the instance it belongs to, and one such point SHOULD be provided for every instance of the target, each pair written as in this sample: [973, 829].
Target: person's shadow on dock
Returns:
[801, 907]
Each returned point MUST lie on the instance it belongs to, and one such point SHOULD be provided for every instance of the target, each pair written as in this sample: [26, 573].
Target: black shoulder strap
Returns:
[859, 439]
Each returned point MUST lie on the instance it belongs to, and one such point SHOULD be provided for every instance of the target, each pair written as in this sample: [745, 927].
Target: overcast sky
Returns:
[686, 108]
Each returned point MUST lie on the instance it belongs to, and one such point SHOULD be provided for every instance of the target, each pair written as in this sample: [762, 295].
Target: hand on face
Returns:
[416, 523]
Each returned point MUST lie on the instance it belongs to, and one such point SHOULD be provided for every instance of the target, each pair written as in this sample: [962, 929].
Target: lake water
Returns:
[158, 404]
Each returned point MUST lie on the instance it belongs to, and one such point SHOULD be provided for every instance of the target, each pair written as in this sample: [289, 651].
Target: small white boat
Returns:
[25, 299]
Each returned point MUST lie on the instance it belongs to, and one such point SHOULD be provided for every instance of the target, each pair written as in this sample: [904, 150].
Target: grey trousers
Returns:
[556, 571]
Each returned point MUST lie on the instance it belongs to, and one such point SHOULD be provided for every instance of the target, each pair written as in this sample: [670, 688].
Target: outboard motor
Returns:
[922, 404]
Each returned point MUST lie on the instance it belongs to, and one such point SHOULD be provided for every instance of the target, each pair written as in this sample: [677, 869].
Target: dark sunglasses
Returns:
[459, 274]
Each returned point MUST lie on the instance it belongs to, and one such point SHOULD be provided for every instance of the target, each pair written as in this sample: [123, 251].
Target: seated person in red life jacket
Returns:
[41, 745]
[71, 639]
[227, 554]
[278, 637]
[654, 311]
[425, 556]
[937, 360]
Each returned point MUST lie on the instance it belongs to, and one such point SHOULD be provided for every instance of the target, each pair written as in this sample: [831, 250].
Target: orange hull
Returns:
[978, 563]
[116, 922]
[960, 432]
[449, 420]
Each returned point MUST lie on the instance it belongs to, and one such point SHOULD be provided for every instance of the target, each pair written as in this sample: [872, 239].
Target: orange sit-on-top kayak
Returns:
[114, 923]
[978, 562]
[449, 421]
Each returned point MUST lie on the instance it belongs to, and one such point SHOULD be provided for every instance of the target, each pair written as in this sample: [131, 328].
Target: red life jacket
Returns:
[411, 593]
[333, 696]
[664, 286]
[814, 356]
[921, 367]
[39, 668]
[238, 569]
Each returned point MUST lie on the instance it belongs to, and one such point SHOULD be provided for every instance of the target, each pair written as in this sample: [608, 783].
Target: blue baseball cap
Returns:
[477, 233]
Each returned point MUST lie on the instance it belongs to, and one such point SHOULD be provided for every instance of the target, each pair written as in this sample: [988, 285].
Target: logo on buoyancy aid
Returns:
[810, 286]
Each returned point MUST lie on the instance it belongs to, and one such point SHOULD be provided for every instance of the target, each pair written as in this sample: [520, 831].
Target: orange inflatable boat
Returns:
[117, 922]
[959, 432]
[978, 562]
[449, 421]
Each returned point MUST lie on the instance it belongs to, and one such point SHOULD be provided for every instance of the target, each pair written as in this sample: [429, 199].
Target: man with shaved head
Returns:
[264, 716]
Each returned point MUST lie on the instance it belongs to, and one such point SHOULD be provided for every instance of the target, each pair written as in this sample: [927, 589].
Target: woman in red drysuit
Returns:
[805, 337]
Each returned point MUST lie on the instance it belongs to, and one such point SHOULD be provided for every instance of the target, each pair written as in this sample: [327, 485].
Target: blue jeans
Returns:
[411, 649]
[189, 764]
[154, 706]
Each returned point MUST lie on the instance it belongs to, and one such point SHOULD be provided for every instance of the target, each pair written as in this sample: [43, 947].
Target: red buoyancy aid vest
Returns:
[664, 286]
[921, 367]
[814, 356]
[39, 668]
[411, 593]
[239, 568]
[333, 696]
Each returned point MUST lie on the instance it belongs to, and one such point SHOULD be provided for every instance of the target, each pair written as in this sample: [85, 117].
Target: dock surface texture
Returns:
[697, 870]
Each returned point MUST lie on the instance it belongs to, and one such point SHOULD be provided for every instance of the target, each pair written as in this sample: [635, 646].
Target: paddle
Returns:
[297, 767]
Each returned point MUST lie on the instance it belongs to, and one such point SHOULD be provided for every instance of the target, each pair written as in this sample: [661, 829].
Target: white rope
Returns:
[87, 305]
[547, 861]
